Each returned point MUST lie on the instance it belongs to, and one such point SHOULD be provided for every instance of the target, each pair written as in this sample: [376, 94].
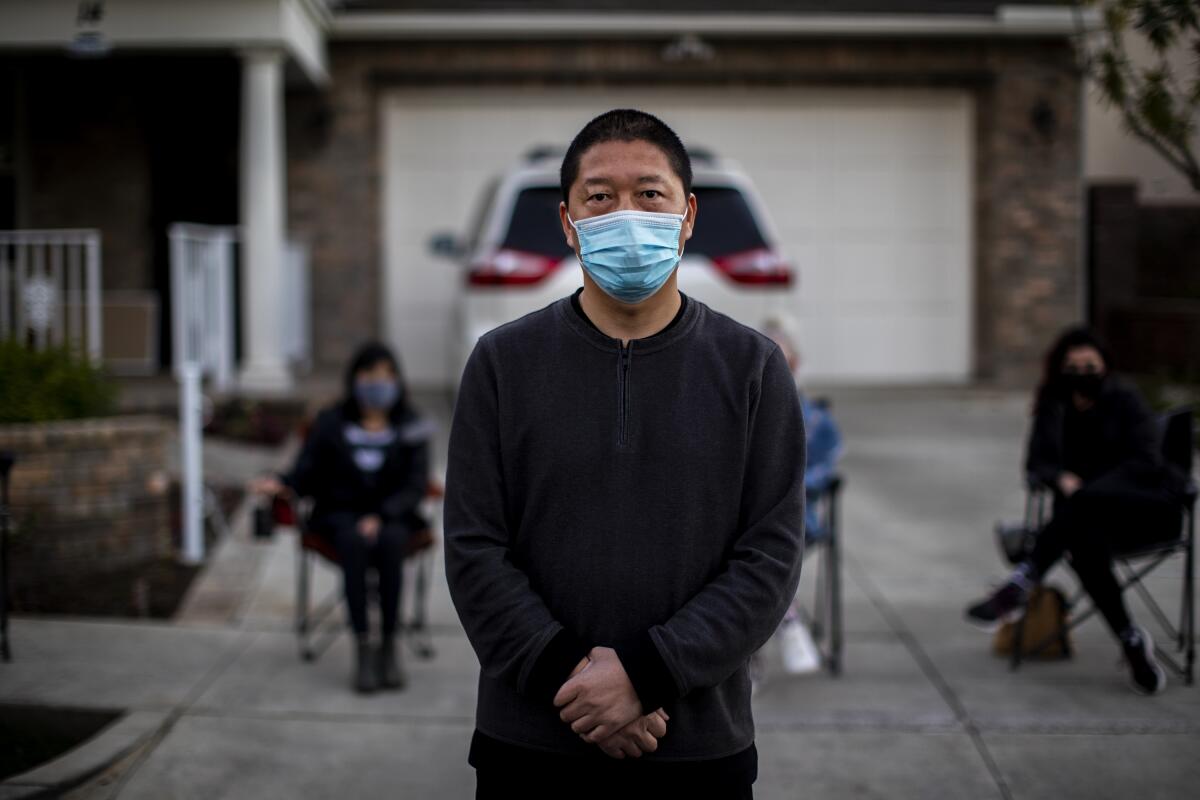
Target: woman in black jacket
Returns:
[1095, 444]
[365, 463]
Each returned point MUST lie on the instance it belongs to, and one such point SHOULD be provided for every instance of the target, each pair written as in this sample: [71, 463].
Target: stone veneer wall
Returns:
[87, 496]
[1028, 201]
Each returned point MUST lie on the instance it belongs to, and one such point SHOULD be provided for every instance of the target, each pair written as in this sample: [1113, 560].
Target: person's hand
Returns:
[368, 526]
[1069, 483]
[600, 700]
[267, 484]
[583, 662]
[639, 736]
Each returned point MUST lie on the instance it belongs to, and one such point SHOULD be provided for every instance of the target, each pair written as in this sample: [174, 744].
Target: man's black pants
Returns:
[536, 776]
[1110, 516]
[580, 785]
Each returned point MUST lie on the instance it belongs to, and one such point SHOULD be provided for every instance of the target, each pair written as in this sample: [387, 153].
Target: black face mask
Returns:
[1086, 384]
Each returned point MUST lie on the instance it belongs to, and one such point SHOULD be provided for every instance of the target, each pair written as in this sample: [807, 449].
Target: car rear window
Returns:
[727, 224]
[534, 227]
[724, 223]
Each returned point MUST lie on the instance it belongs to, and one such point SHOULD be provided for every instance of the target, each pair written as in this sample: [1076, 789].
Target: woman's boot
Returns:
[391, 668]
[365, 679]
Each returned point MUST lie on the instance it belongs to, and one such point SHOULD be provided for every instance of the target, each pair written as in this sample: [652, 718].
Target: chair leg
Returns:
[303, 585]
[421, 641]
[1188, 624]
[820, 606]
[835, 603]
[1018, 642]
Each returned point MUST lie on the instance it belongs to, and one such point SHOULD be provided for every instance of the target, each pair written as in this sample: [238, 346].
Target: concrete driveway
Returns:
[922, 710]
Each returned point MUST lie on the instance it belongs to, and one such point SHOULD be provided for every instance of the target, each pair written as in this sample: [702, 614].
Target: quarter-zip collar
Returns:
[602, 341]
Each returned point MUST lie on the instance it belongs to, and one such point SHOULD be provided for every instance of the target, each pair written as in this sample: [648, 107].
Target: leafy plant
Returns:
[1158, 103]
[51, 384]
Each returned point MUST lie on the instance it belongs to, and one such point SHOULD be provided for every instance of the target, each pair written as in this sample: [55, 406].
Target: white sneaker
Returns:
[800, 653]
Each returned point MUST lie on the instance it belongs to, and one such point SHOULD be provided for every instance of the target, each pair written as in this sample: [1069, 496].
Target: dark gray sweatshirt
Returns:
[648, 498]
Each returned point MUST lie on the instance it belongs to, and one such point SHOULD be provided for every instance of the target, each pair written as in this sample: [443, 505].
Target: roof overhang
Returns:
[1008, 21]
[297, 27]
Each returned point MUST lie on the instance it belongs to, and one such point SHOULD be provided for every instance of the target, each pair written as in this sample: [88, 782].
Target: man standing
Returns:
[624, 504]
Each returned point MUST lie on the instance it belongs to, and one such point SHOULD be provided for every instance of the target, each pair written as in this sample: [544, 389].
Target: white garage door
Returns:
[870, 192]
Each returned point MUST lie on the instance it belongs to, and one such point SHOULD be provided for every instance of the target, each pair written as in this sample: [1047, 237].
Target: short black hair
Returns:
[626, 125]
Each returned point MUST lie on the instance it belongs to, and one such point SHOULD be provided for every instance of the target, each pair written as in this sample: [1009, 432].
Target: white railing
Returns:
[50, 289]
[297, 330]
[202, 299]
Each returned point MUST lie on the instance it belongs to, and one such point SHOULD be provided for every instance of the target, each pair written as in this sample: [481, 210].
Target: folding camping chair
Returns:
[1132, 566]
[825, 620]
[317, 624]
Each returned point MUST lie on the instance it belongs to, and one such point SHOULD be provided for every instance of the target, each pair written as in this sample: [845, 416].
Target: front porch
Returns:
[160, 119]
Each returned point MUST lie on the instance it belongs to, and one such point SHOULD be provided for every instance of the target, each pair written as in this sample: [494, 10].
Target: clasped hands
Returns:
[600, 704]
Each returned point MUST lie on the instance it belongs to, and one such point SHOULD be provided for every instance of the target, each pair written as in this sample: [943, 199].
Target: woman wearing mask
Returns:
[365, 464]
[1095, 443]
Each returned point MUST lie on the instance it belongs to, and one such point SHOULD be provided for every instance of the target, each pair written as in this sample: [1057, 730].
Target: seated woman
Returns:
[1095, 444]
[365, 464]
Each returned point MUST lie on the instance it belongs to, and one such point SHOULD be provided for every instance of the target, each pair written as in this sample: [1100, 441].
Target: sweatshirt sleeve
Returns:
[720, 627]
[1043, 459]
[508, 624]
[300, 478]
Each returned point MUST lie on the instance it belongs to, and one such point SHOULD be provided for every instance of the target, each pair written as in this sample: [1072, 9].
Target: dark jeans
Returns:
[504, 771]
[356, 553]
[1110, 516]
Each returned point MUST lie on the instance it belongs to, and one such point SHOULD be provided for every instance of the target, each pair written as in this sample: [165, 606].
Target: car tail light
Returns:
[761, 266]
[511, 267]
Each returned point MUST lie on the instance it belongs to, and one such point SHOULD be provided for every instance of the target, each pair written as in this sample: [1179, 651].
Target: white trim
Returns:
[296, 26]
[1008, 21]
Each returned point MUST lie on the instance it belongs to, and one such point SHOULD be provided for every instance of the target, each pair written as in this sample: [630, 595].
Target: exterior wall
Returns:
[87, 496]
[89, 164]
[1028, 201]
[129, 145]
[1112, 154]
[1145, 274]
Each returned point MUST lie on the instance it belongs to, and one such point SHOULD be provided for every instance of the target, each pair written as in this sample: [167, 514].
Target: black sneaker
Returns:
[1006, 604]
[1146, 675]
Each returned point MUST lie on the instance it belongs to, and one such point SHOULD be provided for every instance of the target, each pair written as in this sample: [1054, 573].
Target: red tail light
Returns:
[761, 266]
[511, 267]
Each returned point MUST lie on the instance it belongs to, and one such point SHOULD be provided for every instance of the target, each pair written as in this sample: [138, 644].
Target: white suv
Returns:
[517, 260]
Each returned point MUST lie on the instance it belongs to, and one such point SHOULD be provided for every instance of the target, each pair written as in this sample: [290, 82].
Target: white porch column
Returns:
[262, 201]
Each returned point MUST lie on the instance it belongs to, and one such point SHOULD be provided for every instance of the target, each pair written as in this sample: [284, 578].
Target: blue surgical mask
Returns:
[376, 394]
[629, 254]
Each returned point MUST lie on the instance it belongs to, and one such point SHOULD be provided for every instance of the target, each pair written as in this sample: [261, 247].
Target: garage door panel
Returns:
[869, 192]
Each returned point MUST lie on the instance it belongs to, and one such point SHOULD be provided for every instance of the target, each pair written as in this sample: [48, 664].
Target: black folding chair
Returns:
[1134, 565]
[317, 624]
[7, 460]
[825, 620]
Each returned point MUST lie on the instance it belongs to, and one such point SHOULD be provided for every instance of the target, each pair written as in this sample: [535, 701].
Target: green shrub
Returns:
[39, 386]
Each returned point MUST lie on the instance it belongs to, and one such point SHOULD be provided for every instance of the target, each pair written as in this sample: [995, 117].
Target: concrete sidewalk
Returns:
[922, 710]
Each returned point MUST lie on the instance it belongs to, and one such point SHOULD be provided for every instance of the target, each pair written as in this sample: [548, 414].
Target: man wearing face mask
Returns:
[624, 504]
[1094, 443]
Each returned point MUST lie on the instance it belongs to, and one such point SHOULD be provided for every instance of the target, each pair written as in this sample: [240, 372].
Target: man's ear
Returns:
[689, 220]
[568, 229]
